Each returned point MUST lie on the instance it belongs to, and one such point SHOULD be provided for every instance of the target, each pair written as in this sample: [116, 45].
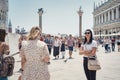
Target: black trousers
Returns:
[55, 51]
[113, 46]
[49, 49]
[90, 74]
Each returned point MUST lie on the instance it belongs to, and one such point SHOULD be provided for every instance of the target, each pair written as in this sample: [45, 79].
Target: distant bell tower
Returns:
[10, 27]
[3, 14]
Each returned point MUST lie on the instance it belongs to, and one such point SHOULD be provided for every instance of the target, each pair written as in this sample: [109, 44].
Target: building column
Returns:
[112, 14]
[105, 17]
[108, 15]
[101, 18]
[80, 12]
[117, 12]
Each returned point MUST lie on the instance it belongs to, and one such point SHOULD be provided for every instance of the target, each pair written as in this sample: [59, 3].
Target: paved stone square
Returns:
[73, 68]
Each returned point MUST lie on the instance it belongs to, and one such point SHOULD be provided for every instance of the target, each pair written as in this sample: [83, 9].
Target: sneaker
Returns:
[55, 58]
[70, 57]
[63, 57]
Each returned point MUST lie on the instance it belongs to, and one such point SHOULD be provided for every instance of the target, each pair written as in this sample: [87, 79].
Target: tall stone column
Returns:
[40, 12]
[80, 12]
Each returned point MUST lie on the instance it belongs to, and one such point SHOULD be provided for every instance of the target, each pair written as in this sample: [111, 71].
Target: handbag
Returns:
[93, 64]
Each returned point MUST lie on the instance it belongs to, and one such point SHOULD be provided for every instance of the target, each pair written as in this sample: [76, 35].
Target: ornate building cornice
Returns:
[107, 5]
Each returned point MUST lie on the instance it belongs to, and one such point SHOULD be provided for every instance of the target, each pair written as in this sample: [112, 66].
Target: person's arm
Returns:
[46, 57]
[84, 52]
[23, 59]
[81, 50]
[91, 53]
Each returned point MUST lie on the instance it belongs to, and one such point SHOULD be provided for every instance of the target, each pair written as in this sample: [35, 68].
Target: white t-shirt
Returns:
[89, 47]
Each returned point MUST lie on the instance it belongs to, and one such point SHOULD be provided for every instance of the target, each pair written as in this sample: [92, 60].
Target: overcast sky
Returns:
[60, 16]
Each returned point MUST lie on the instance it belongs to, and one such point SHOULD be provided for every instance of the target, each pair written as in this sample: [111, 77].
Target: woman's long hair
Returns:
[2, 35]
[34, 33]
[91, 37]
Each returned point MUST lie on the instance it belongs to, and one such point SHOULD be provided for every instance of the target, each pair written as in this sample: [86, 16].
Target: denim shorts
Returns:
[70, 48]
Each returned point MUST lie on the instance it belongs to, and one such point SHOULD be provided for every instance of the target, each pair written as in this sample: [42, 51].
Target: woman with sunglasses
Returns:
[88, 49]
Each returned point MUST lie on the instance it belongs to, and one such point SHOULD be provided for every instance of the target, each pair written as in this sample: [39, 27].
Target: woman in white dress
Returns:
[34, 57]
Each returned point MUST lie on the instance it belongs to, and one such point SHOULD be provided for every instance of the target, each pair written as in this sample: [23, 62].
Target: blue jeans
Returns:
[3, 78]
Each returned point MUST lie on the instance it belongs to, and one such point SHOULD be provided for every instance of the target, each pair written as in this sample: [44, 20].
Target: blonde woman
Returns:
[35, 56]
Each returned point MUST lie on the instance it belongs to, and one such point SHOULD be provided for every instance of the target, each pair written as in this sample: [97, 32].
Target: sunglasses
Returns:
[87, 32]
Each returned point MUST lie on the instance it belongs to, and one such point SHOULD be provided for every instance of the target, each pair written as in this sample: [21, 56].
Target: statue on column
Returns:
[80, 8]
[40, 10]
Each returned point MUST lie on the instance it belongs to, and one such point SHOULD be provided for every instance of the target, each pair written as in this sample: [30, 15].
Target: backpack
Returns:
[6, 66]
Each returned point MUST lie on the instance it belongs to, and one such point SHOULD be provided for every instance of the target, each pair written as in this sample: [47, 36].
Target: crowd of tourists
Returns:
[35, 51]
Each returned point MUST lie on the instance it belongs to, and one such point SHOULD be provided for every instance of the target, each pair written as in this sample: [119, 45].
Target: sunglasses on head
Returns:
[87, 32]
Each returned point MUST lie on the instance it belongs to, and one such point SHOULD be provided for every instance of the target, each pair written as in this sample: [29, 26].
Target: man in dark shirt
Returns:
[49, 43]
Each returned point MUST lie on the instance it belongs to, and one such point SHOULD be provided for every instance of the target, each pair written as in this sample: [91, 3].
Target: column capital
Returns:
[40, 11]
[80, 12]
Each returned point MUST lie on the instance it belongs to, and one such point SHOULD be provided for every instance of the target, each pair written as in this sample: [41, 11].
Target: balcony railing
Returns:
[108, 22]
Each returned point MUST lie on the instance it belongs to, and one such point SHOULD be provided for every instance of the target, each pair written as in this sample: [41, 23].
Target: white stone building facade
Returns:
[3, 14]
[107, 18]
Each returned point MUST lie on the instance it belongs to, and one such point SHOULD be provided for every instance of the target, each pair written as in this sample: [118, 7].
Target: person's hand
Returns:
[87, 52]
[19, 78]
[46, 59]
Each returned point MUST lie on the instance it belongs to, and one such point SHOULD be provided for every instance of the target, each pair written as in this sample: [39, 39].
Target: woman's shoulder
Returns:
[4, 44]
[94, 42]
[42, 43]
[24, 42]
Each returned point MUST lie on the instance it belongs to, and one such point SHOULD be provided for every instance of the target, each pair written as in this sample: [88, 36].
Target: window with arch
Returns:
[114, 13]
[95, 21]
[100, 19]
[110, 15]
[103, 18]
[107, 16]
